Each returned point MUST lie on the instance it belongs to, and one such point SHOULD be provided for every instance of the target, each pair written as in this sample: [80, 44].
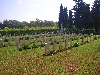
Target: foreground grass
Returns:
[82, 60]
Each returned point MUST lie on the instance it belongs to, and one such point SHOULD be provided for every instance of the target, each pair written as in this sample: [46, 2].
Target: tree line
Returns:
[80, 16]
[17, 24]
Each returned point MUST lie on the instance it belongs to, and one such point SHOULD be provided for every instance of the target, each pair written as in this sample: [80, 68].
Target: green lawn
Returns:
[82, 60]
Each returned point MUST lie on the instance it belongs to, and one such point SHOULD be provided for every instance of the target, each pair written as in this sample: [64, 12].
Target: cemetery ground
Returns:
[81, 60]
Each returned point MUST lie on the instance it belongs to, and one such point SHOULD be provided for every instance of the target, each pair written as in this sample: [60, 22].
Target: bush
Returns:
[26, 46]
[98, 37]
[76, 44]
[34, 46]
[72, 38]
[58, 42]
[6, 40]
[95, 38]
[53, 52]
[20, 49]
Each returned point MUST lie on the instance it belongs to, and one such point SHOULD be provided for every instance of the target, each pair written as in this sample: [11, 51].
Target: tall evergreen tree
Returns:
[63, 17]
[95, 15]
[82, 14]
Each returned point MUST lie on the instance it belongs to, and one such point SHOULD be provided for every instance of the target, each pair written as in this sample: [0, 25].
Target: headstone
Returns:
[35, 42]
[4, 37]
[54, 37]
[90, 39]
[47, 47]
[71, 43]
[14, 37]
[29, 40]
[10, 41]
[87, 38]
[41, 40]
[19, 44]
[82, 39]
[66, 42]
[52, 40]
[1, 43]
[60, 45]
[54, 46]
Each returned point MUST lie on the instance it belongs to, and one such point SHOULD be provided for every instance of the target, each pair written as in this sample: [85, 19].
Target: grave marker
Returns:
[47, 47]
[54, 46]
[19, 44]
[66, 42]
[82, 39]
[60, 45]
[10, 41]
[1, 43]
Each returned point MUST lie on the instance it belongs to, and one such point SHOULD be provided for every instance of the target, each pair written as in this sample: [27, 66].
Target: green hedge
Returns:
[20, 32]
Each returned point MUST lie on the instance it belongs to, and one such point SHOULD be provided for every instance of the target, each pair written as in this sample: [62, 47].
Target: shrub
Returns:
[34, 46]
[20, 49]
[76, 44]
[95, 38]
[98, 37]
[26, 46]
[72, 38]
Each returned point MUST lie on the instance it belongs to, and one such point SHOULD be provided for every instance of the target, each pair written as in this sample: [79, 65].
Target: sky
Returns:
[29, 10]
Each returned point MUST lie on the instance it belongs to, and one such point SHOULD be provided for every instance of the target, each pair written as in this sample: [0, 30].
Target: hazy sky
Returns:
[28, 10]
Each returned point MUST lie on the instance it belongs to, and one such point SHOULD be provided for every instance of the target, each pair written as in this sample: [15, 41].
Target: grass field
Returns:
[82, 60]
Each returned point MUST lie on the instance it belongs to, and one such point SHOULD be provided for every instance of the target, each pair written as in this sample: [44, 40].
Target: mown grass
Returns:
[82, 60]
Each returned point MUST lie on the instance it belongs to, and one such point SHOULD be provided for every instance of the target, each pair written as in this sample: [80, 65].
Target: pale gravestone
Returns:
[29, 40]
[14, 37]
[10, 41]
[47, 51]
[54, 46]
[60, 45]
[16, 40]
[4, 37]
[19, 44]
[66, 42]
[35, 42]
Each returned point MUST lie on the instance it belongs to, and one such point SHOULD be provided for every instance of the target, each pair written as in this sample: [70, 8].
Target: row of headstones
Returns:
[19, 42]
[47, 50]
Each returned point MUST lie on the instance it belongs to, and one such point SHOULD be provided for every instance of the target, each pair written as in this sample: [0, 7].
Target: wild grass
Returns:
[82, 60]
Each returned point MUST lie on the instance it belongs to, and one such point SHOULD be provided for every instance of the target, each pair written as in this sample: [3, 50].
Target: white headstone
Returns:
[66, 42]
[19, 44]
